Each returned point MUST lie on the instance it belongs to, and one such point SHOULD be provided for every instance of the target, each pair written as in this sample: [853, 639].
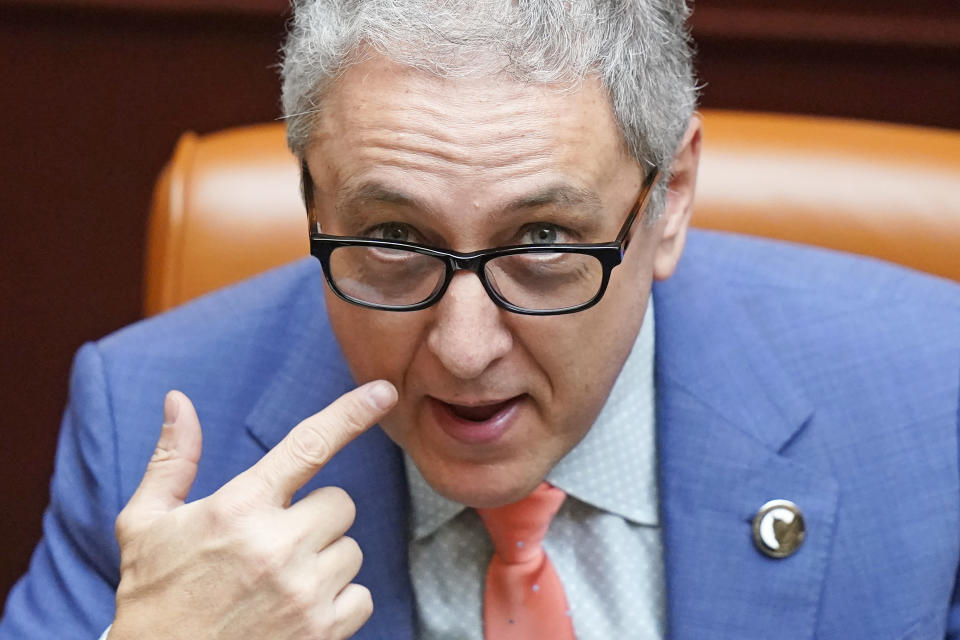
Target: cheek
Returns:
[376, 344]
[584, 359]
[628, 292]
[580, 356]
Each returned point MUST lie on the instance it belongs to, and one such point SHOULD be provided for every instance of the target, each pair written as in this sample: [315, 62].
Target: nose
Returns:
[468, 334]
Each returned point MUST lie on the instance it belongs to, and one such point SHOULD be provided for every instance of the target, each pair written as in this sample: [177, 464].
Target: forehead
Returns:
[453, 138]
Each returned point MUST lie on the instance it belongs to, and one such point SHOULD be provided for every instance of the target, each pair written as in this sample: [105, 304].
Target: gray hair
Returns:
[639, 49]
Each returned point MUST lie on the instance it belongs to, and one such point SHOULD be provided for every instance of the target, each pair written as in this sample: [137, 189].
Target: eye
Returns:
[541, 233]
[394, 232]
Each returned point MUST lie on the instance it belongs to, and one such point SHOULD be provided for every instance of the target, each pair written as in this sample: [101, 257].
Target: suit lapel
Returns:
[726, 415]
[370, 468]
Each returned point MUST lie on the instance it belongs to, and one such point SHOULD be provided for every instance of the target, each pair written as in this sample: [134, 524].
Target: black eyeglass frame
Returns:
[609, 254]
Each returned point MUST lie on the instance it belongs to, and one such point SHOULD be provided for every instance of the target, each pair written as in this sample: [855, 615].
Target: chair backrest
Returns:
[227, 206]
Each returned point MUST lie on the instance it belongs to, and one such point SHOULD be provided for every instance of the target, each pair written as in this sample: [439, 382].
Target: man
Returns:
[761, 445]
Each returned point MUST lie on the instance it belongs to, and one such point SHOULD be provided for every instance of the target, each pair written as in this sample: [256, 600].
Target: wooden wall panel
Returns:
[90, 108]
[884, 60]
[95, 93]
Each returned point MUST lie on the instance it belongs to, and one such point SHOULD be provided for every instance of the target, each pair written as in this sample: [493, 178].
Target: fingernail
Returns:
[381, 395]
[171, 408]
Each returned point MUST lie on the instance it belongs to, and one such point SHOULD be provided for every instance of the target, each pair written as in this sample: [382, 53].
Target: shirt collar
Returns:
[612, 469]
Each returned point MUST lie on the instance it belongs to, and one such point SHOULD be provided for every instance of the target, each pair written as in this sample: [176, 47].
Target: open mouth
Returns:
[479, 413]
[479, 423]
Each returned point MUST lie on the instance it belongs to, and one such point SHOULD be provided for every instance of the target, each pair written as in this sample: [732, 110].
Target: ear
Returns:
[679, 205]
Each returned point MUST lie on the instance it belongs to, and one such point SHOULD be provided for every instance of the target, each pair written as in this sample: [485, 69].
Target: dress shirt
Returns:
[605, 541]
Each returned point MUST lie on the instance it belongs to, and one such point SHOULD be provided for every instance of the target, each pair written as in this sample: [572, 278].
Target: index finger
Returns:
[315, 440]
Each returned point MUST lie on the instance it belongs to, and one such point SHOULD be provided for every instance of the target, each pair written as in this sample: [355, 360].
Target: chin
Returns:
[481, 485]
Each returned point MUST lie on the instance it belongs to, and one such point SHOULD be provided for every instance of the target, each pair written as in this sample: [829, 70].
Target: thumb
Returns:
[173, 466]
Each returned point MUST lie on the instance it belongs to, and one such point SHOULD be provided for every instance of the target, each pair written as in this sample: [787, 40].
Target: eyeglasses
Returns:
[531, 279]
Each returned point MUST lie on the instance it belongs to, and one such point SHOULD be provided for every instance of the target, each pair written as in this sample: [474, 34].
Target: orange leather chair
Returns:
[228, 204]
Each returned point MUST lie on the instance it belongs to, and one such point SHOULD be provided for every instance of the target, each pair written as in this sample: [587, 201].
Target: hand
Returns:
[244, 563]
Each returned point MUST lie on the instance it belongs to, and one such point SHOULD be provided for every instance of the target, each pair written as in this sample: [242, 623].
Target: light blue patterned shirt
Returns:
[604, 543]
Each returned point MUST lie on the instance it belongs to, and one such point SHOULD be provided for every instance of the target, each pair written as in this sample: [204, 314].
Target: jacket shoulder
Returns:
[262, 306]
[750, 263]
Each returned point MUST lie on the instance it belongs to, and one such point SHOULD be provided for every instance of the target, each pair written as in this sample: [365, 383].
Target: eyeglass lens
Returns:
[396, 277]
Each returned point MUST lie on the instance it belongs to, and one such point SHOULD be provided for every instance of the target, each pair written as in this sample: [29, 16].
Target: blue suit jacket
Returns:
[781, 373]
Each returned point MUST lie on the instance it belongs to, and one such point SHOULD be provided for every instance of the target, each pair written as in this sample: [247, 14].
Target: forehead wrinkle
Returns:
[469, 168]
[497, 150]
[470, 106]
[426, 161]
[459, 130]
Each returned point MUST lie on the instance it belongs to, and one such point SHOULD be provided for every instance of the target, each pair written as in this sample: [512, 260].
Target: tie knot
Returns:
[517, 530]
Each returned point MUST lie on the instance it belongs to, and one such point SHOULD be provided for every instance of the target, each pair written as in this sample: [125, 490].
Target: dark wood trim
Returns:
[917, 26]
[266, 8]
[797, 25]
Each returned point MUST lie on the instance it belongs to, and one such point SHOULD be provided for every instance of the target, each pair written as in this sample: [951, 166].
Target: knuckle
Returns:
[267, 559]
[160, 455]
[223, 512]
[264, 477]
[162, 451]
[263, 551]
[130, 524]
[301, 601]
[356, 416]
[264, 561]
[340, 503]
[364, 602]
[341, 499]
[309, 446]
[124, 524]
[353, 551]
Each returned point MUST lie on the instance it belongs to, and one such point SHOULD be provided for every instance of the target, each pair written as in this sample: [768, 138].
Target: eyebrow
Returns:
[369, 192]
[565, 195]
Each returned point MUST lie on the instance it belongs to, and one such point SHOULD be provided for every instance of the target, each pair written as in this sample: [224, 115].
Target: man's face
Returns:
[489, 400]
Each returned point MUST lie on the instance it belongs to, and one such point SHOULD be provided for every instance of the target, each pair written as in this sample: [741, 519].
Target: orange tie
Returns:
[524, 598]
